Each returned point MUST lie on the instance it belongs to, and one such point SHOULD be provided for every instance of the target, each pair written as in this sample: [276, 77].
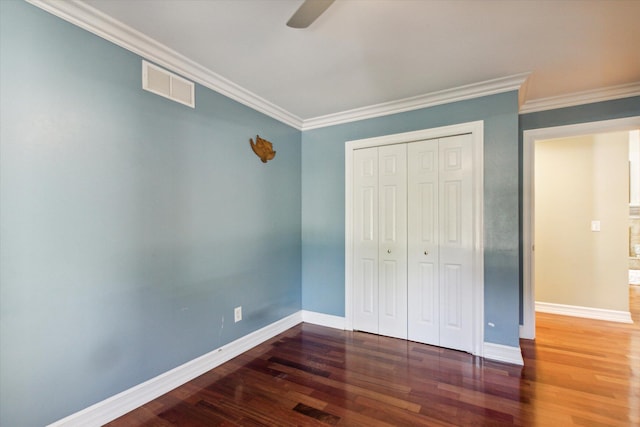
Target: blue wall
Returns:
[130, 225]
[323, 205]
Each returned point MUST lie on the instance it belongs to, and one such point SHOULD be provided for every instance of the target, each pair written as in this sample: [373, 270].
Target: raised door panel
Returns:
[456, 243]
[423, 242]
[451, 308]
[365, 240]
[392, 253]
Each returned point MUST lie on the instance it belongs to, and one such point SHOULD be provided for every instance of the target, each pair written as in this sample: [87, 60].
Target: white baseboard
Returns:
[118, 405]
[128, 400]
[503, 353]
[527, 333]
[322, 319]
[498, 352]
[587, 312]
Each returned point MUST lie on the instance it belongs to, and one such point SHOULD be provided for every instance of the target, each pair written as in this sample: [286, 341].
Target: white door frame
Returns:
[528, 327]
[477, 130]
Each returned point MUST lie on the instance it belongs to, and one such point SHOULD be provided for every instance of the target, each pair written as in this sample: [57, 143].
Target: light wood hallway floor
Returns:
[577, 372]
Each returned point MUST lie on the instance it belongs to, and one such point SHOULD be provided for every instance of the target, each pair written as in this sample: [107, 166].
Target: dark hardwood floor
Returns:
[577, 372]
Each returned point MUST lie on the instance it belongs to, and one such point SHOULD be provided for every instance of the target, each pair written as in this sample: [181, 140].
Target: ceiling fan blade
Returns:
[308, 12]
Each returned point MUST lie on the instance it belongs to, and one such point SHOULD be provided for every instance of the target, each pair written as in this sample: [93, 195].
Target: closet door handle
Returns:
[426, 252]
[388, 251]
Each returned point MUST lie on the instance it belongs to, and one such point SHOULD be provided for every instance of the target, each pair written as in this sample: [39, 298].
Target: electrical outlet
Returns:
[237, 314]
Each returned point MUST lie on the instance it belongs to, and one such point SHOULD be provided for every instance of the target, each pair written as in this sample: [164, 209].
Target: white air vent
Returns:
[167, 84]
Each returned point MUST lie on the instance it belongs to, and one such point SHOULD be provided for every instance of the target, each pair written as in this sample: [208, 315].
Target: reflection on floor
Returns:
[578, 372]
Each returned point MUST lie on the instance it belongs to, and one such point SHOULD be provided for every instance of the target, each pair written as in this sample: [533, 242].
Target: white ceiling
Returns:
[365, 52]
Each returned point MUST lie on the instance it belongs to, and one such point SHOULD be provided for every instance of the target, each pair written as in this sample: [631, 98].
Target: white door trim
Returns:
[529, 137]
[477, 130]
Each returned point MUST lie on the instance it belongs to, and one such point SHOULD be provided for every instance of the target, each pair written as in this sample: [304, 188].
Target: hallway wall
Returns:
[578, 180]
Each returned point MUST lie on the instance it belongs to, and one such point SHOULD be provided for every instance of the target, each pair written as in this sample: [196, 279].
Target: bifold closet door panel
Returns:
[392, 247]
[440, 242]
[456, 242]
[423, 242]
[365, 240]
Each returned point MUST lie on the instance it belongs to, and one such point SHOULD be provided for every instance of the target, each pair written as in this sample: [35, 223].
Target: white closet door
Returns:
[440, 288]
[413, 241]
[423, 241]
[365, 239]
[392, 254]
[456, 242]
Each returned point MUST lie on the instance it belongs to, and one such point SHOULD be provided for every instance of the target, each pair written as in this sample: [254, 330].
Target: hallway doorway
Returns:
[530, 138]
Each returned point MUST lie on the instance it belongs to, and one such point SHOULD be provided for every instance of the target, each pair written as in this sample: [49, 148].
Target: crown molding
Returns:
[102, 25]
[580, 98]
[475, 90]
